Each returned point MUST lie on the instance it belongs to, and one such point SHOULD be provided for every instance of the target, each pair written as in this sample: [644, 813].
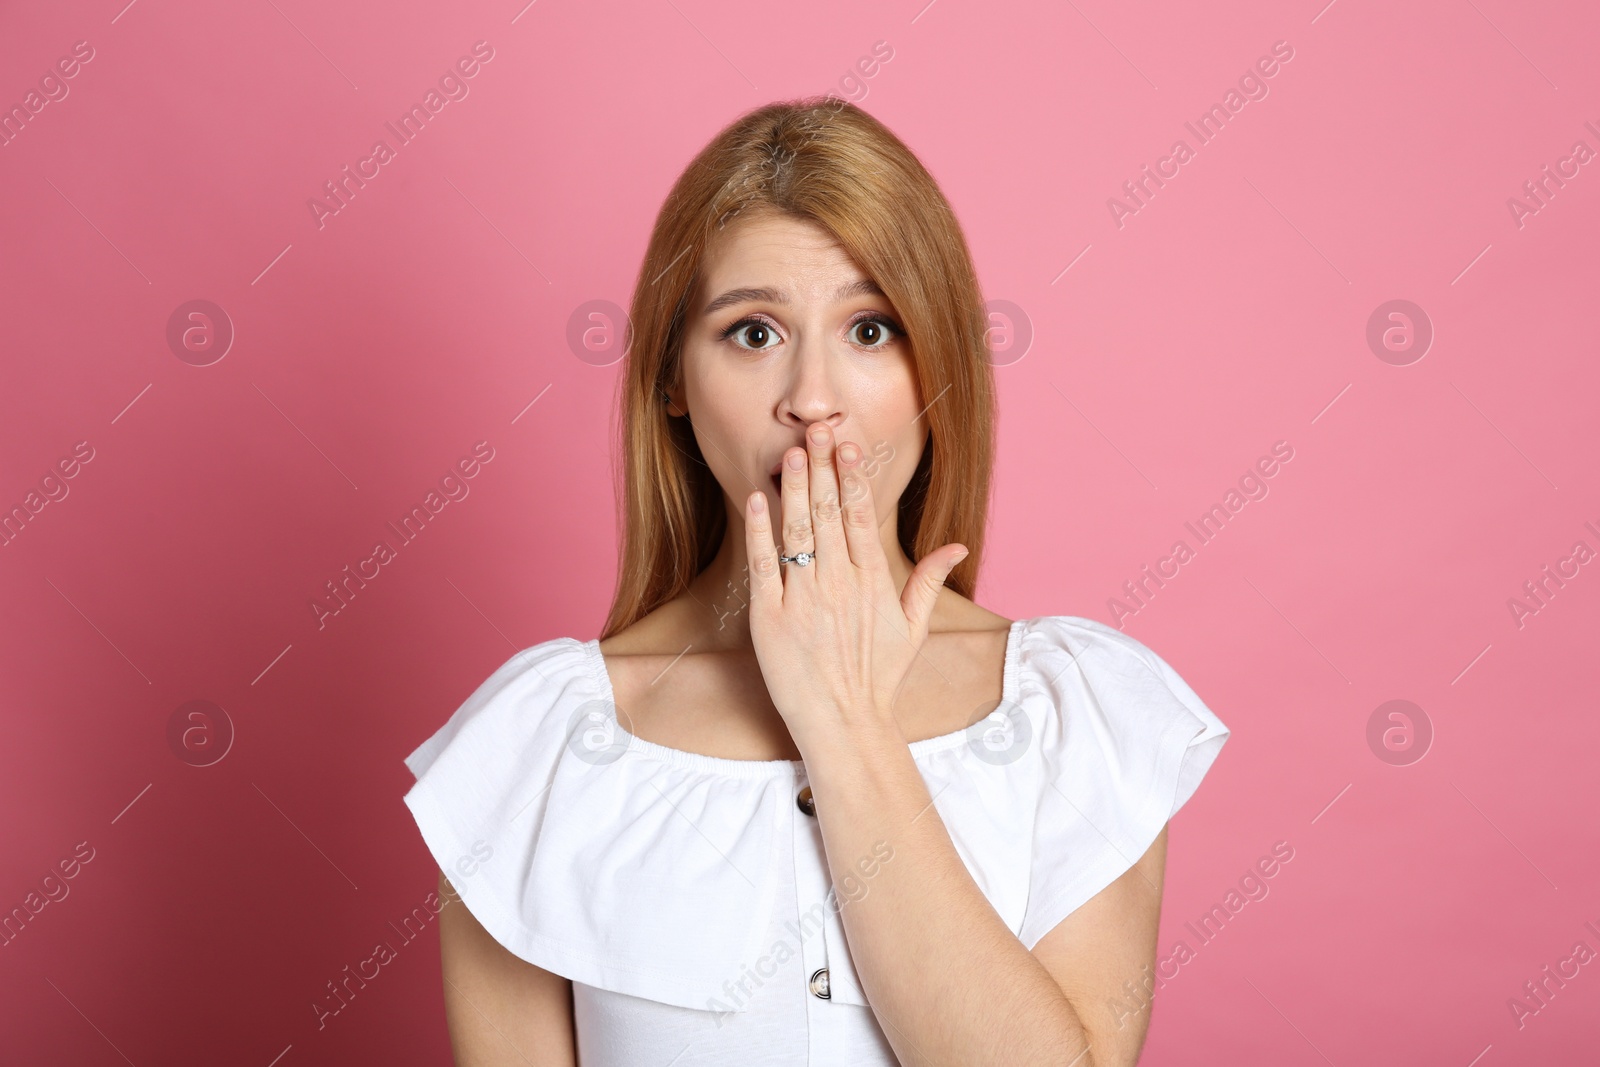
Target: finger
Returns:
[922, 588]
[796, 504]
[765, 581]
[825, 528]
[859, 511]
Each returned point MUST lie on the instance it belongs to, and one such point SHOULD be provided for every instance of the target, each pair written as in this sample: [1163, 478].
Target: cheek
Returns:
[882, 402]
[728, 414]
[901, 402]
[890, 451]
[889, 409]
[722, 439]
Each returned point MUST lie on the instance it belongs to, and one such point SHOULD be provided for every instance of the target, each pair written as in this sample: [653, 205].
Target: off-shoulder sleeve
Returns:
[1124, 743]
[582, 856]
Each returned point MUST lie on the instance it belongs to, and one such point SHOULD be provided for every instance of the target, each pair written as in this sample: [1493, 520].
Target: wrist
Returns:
[841, 736]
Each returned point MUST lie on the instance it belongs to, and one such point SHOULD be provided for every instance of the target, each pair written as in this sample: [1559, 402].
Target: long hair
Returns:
[824, 160]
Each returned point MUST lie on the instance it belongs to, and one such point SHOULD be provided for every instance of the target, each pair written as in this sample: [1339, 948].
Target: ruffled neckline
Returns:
[607, 872]
[743, 768]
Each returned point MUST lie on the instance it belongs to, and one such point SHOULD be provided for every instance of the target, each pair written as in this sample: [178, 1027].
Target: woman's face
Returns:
[786, 331]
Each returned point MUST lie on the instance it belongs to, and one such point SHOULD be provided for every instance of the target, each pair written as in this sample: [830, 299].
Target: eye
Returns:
[759, 331]
[880, 331]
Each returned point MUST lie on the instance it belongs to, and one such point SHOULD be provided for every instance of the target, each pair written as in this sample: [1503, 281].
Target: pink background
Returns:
[1168, 354]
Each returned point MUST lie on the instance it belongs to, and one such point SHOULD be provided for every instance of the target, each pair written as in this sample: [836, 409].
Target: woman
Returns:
[804, 801]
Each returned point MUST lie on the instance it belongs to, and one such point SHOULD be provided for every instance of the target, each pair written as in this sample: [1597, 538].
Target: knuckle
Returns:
[858, 515]
[767, 565]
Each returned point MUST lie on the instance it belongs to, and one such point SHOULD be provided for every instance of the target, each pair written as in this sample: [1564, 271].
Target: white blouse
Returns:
[687, 896]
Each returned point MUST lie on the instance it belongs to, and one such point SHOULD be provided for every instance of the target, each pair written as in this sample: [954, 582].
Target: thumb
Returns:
[922, 588]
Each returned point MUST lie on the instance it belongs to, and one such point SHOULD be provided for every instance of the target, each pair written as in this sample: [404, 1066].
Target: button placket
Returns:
[810, 929]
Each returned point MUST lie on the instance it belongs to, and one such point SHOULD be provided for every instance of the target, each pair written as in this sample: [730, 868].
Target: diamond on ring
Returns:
[802, 558]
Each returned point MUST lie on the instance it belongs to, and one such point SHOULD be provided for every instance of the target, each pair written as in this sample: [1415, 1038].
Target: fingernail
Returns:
[797, 461]
[848, 452]
[819, 436]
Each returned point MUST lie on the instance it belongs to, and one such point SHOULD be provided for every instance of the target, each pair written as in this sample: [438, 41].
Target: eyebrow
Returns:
[863, 287]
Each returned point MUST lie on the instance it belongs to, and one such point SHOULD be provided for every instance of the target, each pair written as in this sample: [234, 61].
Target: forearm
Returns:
[948, 981]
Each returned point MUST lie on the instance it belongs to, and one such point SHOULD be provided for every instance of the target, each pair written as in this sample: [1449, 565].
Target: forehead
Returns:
[781, 251]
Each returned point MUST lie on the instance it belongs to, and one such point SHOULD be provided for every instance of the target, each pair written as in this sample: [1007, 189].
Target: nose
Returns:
[813, 394]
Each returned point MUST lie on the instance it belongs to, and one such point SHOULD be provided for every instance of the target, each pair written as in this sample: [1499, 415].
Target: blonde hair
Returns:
[824, 160]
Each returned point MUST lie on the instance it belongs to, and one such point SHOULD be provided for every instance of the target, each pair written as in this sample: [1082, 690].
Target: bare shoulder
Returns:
[960, 676]
[954, 612]
[650, 634]
[635, 655]
[968, 633]
[676, 684]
